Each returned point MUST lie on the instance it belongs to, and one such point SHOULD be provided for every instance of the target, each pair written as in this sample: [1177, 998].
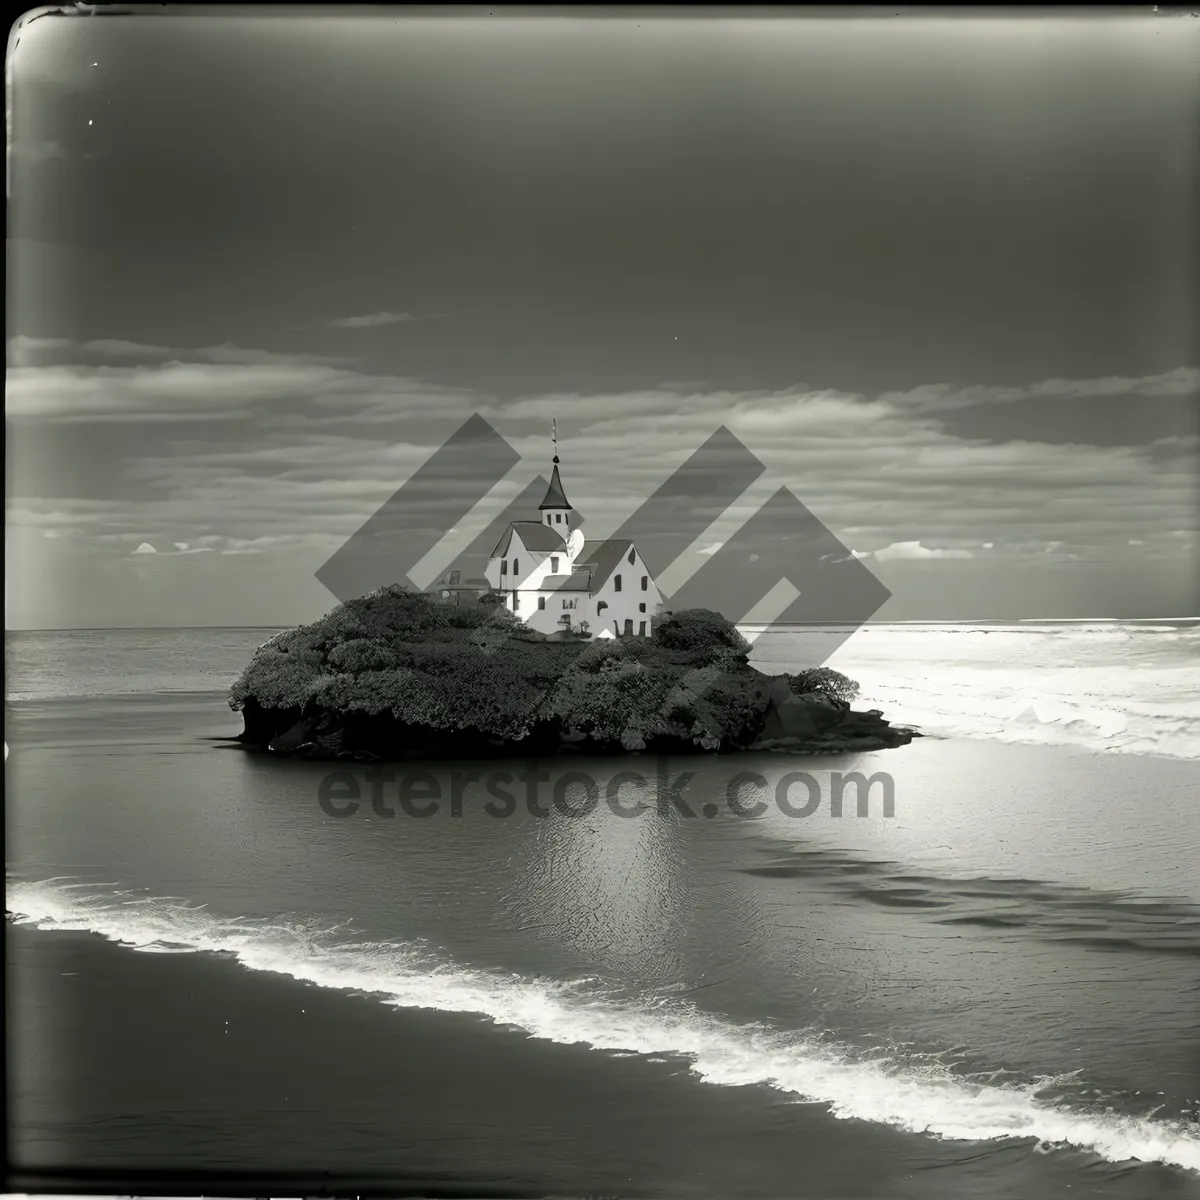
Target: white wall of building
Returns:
[526, 568]
[558, 604]
[619, 600]
[624, 601]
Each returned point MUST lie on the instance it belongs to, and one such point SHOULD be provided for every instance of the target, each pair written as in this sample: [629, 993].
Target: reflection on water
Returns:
[1017, 893]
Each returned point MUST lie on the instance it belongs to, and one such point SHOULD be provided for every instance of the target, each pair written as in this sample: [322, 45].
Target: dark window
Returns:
[601, 607]
[541, 602]
[558, 518]
[632, 556]
[645, 583]
[641, 629]
[641, 608]
[554, 564]
[616, 583]
[516, 601]
[516, 566]
[629, 626]
[504, 566]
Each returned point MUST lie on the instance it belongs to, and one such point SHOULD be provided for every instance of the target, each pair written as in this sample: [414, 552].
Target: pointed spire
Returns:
[555, 496]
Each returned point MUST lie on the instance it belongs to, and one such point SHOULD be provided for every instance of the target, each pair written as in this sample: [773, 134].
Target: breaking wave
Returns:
[1118, 687]
[911, 1093]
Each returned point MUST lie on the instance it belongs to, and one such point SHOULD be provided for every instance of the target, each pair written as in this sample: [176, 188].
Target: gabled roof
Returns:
[534, 536]
[555, 496]
[577, 581]
[604, 557]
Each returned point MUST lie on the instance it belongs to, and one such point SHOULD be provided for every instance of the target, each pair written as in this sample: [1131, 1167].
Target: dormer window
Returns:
[558, 518]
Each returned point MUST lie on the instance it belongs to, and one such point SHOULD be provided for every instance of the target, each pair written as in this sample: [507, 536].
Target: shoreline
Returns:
[332, 1090]
[186, 1070]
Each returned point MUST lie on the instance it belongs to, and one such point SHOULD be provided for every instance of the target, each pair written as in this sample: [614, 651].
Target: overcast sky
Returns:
[939, 275]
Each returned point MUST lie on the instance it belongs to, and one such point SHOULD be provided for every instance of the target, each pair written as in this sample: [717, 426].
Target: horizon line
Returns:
[739, 624]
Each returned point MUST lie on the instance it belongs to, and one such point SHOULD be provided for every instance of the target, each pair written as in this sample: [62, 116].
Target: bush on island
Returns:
[699, 629]
[824, 681]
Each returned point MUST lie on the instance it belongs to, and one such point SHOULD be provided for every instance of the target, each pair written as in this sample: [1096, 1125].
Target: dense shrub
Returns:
[362, 654]
[278, 677]
[825, 681]
[595, 655]
[603, 700]
[699, 629]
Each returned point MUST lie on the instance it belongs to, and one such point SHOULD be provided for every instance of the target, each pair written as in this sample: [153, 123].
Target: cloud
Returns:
[372, 320]
[36, 151]
[915, 550]
[1136, 542]
[941, 397]
[22, 348]
[180, 545]
[20, 345]
[145, 548]
[320, 447]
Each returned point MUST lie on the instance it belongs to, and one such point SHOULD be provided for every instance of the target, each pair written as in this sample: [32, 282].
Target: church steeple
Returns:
[555, 508]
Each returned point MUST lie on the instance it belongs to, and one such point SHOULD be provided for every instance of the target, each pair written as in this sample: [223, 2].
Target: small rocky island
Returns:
[398, 676]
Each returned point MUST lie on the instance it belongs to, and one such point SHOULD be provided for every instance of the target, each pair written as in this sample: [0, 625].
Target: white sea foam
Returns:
[1109, 686]
[919, 1096]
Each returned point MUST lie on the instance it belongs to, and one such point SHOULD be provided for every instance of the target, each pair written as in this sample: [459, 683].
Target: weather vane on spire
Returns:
[554, 436]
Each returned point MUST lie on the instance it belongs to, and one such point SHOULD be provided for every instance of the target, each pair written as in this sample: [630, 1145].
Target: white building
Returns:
[552, 578]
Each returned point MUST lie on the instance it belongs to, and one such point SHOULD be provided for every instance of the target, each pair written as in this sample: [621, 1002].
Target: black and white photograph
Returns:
[603, 602]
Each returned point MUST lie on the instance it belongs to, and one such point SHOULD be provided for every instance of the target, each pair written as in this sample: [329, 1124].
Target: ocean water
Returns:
[1116, 686]
[1005, 971]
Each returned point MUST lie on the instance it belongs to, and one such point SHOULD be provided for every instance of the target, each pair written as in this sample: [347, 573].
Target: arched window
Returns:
[632, 555]
[616, 583]
[601, 607]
